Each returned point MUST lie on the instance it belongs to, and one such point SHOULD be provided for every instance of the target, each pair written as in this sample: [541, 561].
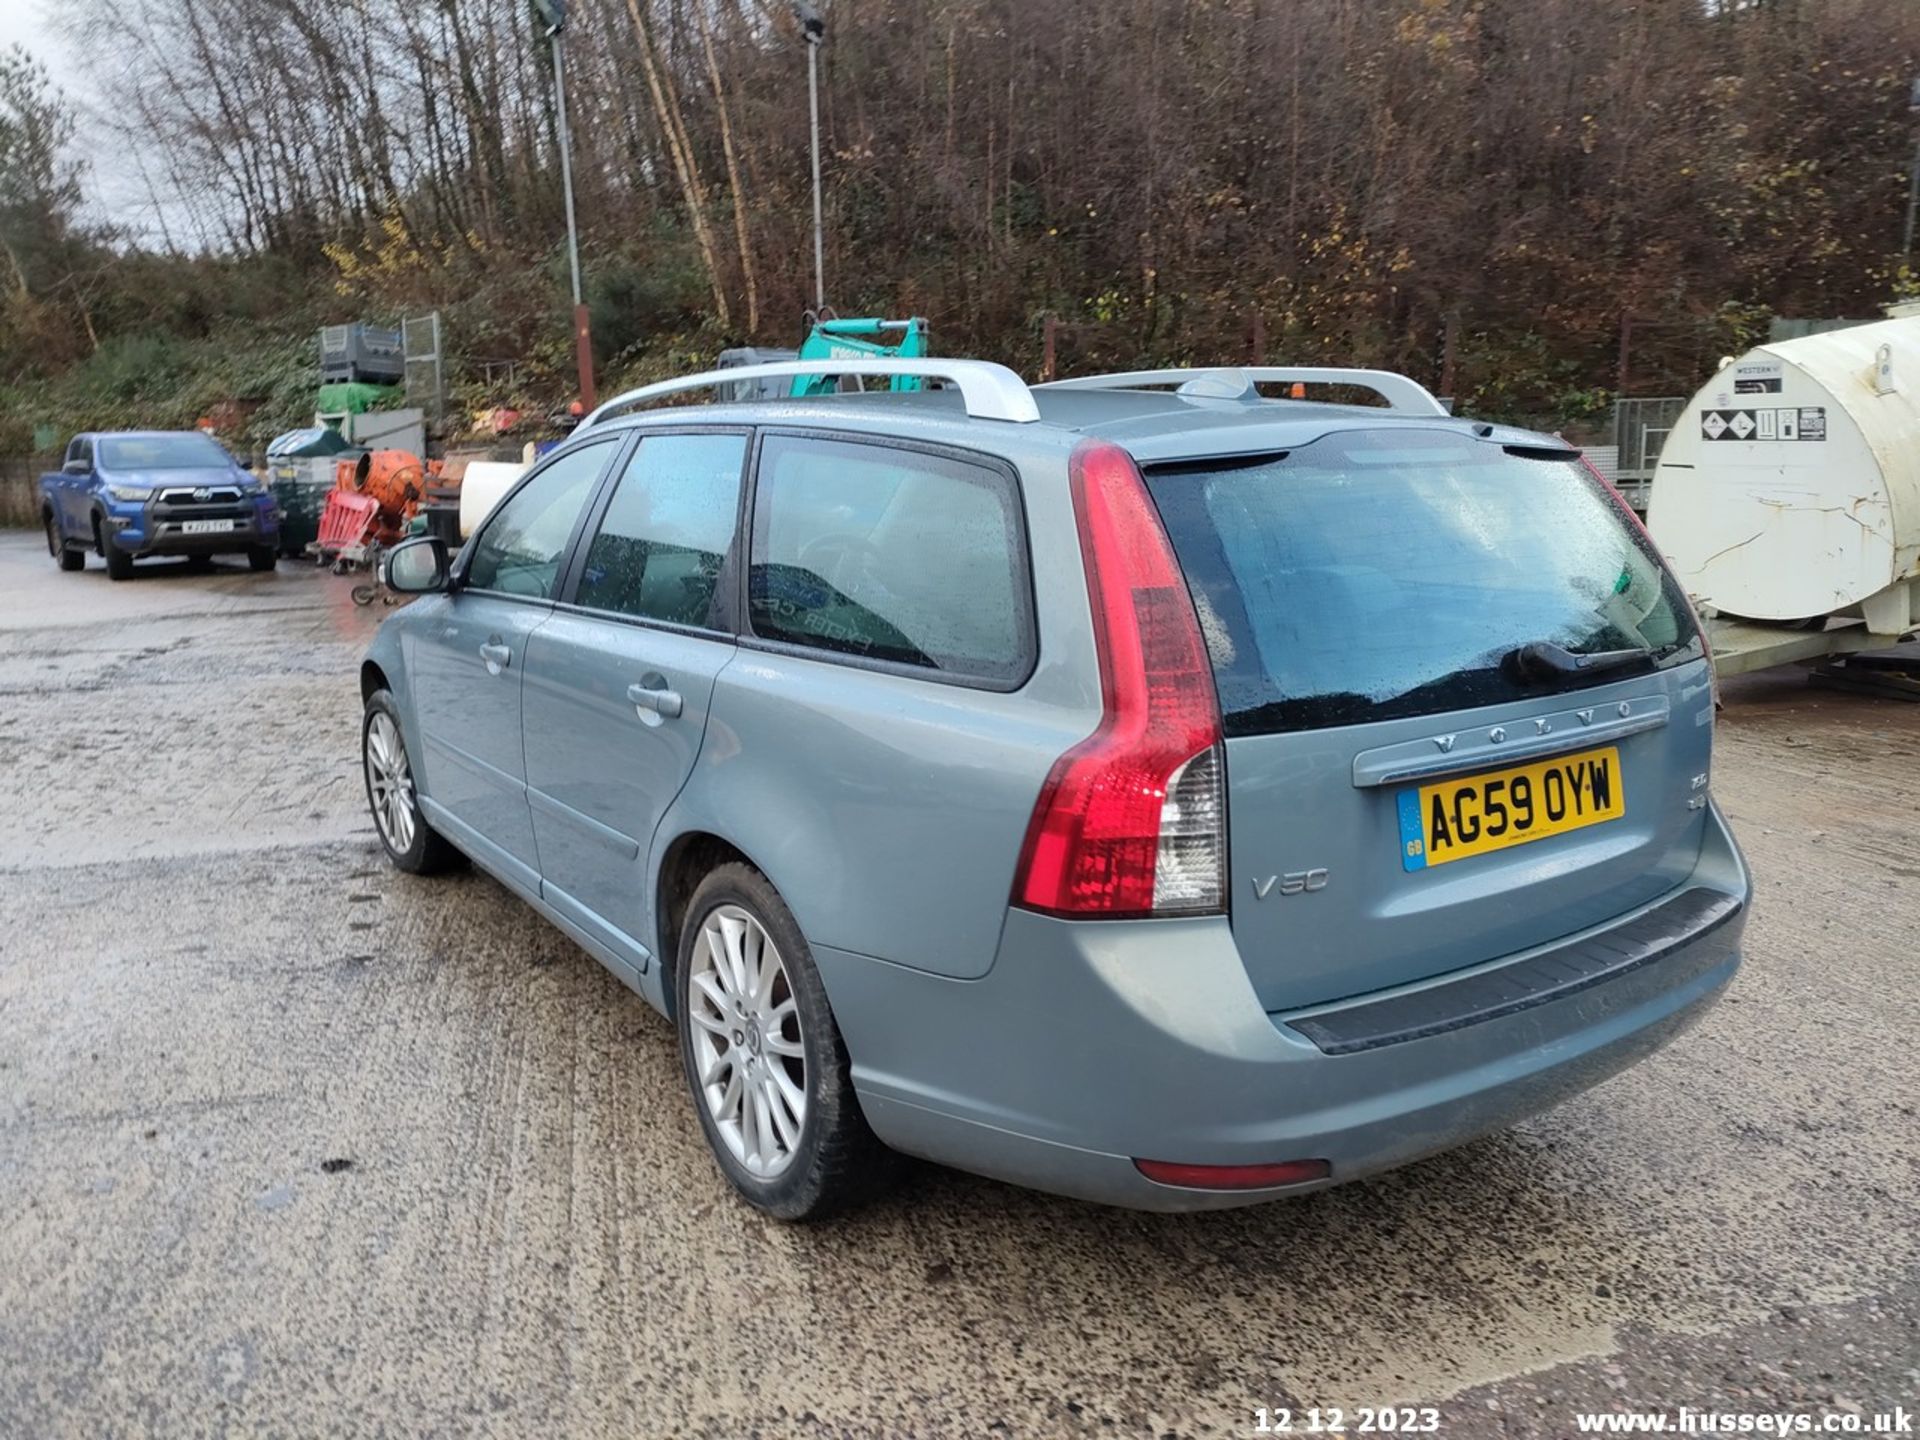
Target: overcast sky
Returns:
[24, 22]
[115, 193]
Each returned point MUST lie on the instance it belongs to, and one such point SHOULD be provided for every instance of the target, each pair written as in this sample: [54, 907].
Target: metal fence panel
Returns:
[20, 490]
[420, 343]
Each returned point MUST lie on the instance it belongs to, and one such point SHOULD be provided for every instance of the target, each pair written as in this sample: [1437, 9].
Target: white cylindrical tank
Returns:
[482, 487]
[1790, 486]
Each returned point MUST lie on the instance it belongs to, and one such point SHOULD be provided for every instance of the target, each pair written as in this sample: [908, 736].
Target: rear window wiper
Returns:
[1545, 659]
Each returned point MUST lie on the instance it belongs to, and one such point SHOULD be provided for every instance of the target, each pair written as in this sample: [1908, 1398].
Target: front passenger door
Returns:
[467, 662]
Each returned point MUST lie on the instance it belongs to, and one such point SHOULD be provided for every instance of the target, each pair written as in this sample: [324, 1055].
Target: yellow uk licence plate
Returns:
[1473, 814]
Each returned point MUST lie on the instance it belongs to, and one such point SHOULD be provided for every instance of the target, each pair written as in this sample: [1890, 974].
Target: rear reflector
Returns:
[1234, 1177]
[1132, 820]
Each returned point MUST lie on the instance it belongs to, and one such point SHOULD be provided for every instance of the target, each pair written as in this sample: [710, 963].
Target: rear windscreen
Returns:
[1385, 573]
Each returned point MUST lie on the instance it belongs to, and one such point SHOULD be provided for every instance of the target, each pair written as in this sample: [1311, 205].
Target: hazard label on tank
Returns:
[1783, 422]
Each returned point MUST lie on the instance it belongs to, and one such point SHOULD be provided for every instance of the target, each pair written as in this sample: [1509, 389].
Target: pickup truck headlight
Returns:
[129, 492]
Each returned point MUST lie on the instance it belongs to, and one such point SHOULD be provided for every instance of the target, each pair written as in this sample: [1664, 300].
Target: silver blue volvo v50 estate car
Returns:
[1132, 787]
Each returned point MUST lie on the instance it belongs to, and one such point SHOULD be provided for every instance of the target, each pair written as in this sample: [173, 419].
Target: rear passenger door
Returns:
[618, 681]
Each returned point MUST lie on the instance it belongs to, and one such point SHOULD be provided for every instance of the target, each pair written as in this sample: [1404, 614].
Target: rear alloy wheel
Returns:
[747, 1045]
[69, 559]
[769, 1072]
[412, 844]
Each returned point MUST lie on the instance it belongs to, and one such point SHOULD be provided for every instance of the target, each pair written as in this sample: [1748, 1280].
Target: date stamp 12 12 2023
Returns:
[1335, 1420]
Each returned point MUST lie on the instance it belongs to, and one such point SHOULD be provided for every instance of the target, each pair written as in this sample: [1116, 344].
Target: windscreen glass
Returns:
[160, 452]
[1378, 574]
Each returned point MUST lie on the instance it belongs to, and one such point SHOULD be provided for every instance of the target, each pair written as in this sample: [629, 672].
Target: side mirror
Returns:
[245, 462]
[417, 566]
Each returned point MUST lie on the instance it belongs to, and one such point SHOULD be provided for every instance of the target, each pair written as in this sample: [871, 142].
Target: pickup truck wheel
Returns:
[412, 844]
[262, 557]
[56, 547]
[770, 1077]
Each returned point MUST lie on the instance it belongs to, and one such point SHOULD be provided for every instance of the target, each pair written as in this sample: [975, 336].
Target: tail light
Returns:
[1132, 820]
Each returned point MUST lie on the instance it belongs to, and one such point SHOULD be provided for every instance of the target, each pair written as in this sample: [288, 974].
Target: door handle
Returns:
[655, 699]
[497, 656]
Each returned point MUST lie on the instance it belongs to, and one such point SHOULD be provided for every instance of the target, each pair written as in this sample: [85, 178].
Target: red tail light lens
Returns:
[1234, 1177]
[1132, 820]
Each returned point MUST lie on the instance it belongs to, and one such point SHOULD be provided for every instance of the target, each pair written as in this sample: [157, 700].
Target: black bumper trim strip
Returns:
[1552, 975]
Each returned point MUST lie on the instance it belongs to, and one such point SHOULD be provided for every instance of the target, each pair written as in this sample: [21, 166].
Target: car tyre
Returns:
[69, 558]
[386, 768]
[752, 1034]
[262, 557]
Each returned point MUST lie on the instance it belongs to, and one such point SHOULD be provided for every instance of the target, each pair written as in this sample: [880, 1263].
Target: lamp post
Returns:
[554, 14]
[814, 27]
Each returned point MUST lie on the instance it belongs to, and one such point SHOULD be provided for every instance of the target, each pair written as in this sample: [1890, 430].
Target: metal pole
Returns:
[819, 244]
[582, 327]
[566, 159]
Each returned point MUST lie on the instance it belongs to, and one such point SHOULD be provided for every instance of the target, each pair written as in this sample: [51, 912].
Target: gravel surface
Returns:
[292, 1144]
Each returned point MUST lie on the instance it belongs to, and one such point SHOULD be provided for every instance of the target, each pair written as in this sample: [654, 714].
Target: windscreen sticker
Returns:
[1786, 422]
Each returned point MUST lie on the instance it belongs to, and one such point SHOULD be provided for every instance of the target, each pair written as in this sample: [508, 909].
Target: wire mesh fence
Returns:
[19, 488]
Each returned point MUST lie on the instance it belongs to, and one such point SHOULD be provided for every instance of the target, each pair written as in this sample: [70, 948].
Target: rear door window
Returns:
[659, 549]
[891, 556]
[1378, 574]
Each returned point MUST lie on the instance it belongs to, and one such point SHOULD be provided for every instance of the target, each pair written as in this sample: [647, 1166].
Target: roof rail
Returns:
[989, 391]
[1400, 392]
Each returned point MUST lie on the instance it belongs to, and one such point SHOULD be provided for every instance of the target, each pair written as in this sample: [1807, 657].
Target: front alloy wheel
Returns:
[390, 783]
[748, 1050]
[412, 844]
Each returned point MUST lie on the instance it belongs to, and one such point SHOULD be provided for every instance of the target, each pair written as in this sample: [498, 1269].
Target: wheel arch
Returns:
[687, 860]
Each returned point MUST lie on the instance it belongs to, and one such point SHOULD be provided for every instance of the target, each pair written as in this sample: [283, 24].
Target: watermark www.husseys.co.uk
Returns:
[1687, 1421]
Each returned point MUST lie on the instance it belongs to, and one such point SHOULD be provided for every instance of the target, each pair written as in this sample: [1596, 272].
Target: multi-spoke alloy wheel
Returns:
[412, 844]
[748, 1052]
[771, 1078]
[390, 783]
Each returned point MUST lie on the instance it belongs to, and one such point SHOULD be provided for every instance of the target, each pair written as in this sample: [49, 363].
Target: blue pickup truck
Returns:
[128, 494]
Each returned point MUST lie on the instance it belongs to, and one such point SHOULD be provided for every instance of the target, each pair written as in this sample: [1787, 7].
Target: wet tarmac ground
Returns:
[291, 1144]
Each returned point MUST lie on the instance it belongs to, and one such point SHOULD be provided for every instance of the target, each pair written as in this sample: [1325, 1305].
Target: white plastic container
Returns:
[1790, 486]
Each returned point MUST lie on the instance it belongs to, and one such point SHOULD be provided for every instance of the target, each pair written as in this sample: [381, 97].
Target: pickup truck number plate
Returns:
[1490, 811]
[205, 527]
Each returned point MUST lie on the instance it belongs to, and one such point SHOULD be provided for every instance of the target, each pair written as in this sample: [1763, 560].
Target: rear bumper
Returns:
[1088, 1045]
